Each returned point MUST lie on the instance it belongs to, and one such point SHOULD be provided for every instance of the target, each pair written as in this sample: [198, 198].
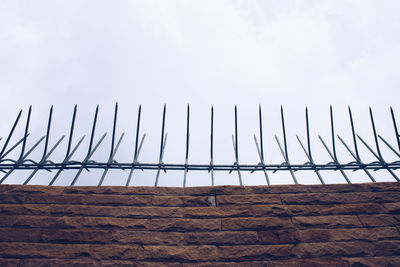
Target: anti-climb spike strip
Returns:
[15, 150]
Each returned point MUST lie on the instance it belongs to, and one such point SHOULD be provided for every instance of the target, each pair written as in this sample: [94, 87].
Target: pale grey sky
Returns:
[204, 53]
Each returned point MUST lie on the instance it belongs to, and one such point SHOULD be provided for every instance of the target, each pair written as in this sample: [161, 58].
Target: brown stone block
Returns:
[147, 238]
[216, 212]
[218, 264]
[167, 201]
[292, 188]
[20, 235]
[72, 222]
[269, 210]
[338, 188]
[104, 222]
[353, 234]
[247, 199]
[328, 198]
[273, 263]
[89, 199]
[377, 220]
[85, 262]
[180, 253]
[112, 200]
[235, 211]
[153, 264]
[124, 190]
[392, 208]
[199, 191]
[257, 189]
[315, 235]
[25, 209]
[333, 249]
[104, 190]
[216, 190]
[159, 191]
[397, 217]
[336, 209]
[338, 221]
[30, 189]
[387, 196]
[91, 210]
[224, 237]
[180, 201]
[78, 236]
[255, 252]
[385, 187]
[386, 248]
[326, 262]
[184, 224]
[55, 235]
[286, 236]
[387, 261]
[196, 201]
[134, 212]
[260, 223]
[10, 262]
[70, 251]
[31, 221]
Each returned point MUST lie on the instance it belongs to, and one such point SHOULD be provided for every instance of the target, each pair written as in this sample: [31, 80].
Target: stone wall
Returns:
[290, 225]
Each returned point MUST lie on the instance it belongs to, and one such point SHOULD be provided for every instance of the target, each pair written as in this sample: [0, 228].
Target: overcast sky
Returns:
[202, 53]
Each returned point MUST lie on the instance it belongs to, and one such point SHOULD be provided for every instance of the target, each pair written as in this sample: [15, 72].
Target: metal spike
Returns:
[46, 143]
[284, 134]
[71, 132]
[375, 135]
[308, 136]
[212, 146]
[354, 135]
[187, 146]
[333, 133]
[93, 130]
[10, 134]
[395, 128]
[28, 119]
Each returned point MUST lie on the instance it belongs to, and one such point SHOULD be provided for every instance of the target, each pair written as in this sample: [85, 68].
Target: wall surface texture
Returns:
[290, 225]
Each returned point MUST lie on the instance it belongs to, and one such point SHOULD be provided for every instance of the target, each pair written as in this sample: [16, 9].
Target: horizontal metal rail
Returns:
[22, 162]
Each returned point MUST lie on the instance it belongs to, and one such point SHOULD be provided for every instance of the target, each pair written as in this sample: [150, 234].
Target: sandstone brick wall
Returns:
[290, 225]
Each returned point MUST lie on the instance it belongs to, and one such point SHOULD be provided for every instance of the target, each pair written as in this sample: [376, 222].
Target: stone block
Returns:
[353, 234]
[333, 249]
[286, 236]
[180, 253]
[183, 225]
[224, 237]
[255, 252]
[337, 221]
[147, 238]
[247, 199]
[377, 220]
[256, 223]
